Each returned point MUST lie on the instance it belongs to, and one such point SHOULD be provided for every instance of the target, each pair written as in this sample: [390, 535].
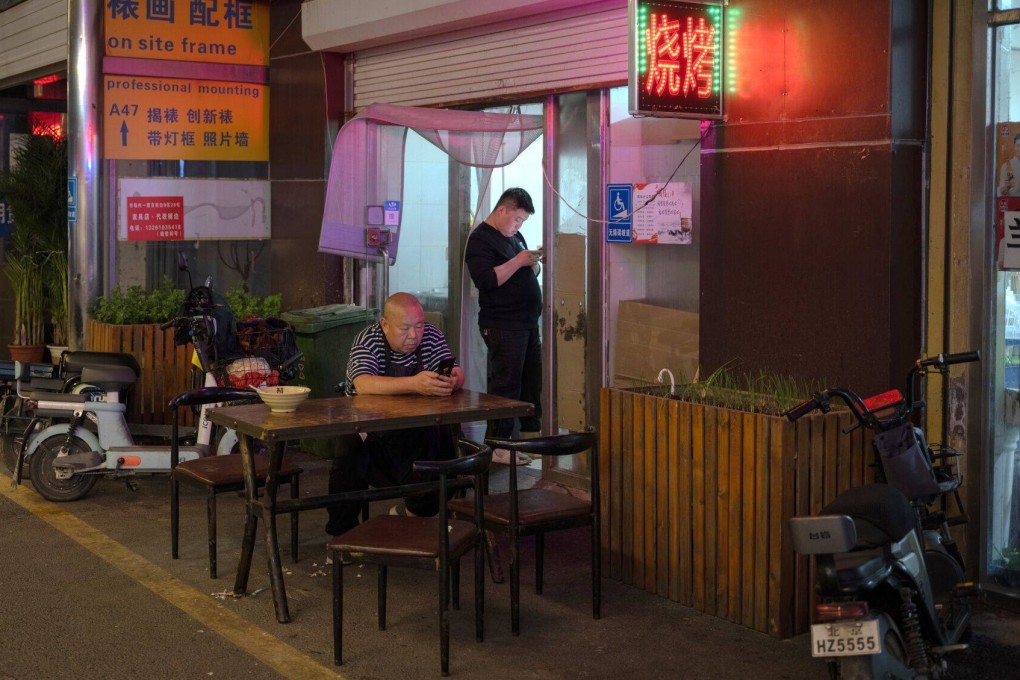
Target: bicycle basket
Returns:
[904, 457]
[264, 348]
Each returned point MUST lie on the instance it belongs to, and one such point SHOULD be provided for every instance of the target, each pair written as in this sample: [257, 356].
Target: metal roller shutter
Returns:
[572, 53]
[33, 39]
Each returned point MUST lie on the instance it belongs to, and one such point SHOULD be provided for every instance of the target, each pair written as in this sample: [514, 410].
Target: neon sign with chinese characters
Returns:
[676, 58]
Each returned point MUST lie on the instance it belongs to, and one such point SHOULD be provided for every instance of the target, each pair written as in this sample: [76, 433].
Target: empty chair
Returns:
[523, 512]
[218, 474]
[432, 543]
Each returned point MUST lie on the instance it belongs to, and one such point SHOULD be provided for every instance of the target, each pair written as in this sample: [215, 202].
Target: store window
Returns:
[1003, 523]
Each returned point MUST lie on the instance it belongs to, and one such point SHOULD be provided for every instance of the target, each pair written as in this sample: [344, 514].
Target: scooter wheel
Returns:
[44, 476]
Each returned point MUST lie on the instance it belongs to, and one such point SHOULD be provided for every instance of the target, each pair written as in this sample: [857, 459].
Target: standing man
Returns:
[398, 355]
[510, 303]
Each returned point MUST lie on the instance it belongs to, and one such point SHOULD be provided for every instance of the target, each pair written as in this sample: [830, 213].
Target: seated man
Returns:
[398, 355]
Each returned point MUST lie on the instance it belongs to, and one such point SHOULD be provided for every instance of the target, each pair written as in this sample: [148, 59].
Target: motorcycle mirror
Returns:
[182, 266]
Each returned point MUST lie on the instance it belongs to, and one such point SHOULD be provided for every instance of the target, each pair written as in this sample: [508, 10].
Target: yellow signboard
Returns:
[178, 119]
[212, 31]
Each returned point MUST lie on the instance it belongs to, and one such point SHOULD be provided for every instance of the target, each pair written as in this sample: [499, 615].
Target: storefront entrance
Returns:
[441, 199]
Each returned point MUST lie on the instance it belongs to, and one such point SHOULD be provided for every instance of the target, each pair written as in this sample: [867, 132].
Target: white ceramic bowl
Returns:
[283, 398]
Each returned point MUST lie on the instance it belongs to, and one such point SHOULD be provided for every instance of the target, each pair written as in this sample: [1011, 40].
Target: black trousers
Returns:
[386, 459]
[514, 370]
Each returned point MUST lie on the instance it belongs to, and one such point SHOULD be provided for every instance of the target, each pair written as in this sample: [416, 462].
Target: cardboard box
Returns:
[650, 338]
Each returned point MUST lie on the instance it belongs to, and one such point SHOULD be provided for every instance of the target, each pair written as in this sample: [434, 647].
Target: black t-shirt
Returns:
[517, 304]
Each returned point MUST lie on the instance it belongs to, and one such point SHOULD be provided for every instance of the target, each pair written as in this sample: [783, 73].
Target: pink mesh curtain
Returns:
[368, 162]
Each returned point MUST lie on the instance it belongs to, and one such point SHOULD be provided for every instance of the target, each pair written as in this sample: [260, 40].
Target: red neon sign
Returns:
[676, 58]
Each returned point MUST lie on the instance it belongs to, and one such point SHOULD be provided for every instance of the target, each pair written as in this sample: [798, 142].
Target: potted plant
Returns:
[35, 188]
[1006, 566]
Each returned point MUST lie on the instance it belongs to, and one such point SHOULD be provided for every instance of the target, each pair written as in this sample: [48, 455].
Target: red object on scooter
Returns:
[884, 400]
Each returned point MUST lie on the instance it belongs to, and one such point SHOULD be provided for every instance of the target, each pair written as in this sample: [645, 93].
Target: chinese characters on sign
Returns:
[219, 31]
[207, 208]
[171, 118]
[663, 213]
[151, 113]
[155, 218]
[676, 58]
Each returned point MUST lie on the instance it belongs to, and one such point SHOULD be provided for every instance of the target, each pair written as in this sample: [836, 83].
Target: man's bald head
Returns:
[403, 322]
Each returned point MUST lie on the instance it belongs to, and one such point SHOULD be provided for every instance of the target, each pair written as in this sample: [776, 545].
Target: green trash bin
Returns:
[325, 335]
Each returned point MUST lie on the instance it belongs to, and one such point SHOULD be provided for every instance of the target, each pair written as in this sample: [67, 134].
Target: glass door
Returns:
[1002, 526]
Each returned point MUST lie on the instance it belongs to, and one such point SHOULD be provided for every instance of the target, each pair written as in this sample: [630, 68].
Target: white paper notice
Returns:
[667, 218]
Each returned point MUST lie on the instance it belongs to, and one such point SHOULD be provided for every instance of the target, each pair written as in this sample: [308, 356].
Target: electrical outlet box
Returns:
[376, 237]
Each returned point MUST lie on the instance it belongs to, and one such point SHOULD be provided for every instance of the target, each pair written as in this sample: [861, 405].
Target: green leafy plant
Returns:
[36, 266]
[1008, 557]
[137, 305]
[245, 304]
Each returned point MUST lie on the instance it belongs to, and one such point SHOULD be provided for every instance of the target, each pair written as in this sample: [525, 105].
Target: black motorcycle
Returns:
[893, 599]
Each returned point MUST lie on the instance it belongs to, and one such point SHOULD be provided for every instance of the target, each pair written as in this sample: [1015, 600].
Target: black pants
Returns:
[514, 370]
[386, 459]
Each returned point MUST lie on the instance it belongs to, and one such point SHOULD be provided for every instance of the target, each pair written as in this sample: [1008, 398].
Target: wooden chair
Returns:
[217, 474]
[433, 543]
[523, 512]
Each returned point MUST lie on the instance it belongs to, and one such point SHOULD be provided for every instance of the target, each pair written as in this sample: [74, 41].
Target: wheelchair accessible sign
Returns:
[619, 205]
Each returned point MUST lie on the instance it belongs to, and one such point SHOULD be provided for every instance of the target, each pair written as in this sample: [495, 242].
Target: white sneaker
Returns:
[502, 457]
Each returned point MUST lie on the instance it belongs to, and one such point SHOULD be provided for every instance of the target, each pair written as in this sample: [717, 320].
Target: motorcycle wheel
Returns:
[859, 667]
[44, 477]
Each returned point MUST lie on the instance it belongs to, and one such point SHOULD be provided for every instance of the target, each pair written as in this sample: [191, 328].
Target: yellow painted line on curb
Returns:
[280, 656]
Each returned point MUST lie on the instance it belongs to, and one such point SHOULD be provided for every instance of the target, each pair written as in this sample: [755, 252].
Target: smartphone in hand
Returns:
[445, 367]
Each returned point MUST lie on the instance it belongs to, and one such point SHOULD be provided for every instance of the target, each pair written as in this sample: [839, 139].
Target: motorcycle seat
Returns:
[76, 362]
[881, 513]
[110, 378]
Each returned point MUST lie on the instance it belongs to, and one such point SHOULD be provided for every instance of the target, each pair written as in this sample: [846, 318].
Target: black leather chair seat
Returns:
[401, 535]
[534, 506]
[218, 471]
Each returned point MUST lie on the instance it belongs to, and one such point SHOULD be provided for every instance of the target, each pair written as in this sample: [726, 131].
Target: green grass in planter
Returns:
[761, 392]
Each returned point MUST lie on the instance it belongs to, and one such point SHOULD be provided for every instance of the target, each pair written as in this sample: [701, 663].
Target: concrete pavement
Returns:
[90, 590]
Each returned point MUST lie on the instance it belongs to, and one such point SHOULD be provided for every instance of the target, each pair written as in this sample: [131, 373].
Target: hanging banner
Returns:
[167, 209]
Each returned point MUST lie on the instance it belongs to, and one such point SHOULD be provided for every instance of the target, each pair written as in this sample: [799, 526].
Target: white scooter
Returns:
[67, 457]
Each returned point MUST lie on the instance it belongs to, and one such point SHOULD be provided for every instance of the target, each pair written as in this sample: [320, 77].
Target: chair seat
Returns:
[535, 506]
[404, 536]
[226, 470]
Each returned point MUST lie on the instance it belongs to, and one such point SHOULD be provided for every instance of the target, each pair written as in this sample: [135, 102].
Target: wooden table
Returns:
[329, 418]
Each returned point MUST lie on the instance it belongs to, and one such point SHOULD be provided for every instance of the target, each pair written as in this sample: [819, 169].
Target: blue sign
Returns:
[6, 218]
[392, 213]
[619, 205]
[72, 198]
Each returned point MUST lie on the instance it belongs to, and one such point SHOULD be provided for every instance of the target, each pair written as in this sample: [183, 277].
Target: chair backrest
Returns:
[474, 464]
[554, 445]
[197, 397]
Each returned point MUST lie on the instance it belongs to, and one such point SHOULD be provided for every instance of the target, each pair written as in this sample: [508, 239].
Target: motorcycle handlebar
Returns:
[801, 410]
[943, 360]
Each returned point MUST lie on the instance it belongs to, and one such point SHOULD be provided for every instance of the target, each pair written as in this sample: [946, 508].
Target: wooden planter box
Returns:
[166, 367]
[695, 501]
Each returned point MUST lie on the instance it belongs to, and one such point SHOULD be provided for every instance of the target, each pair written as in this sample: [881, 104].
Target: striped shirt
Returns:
[368, 353]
